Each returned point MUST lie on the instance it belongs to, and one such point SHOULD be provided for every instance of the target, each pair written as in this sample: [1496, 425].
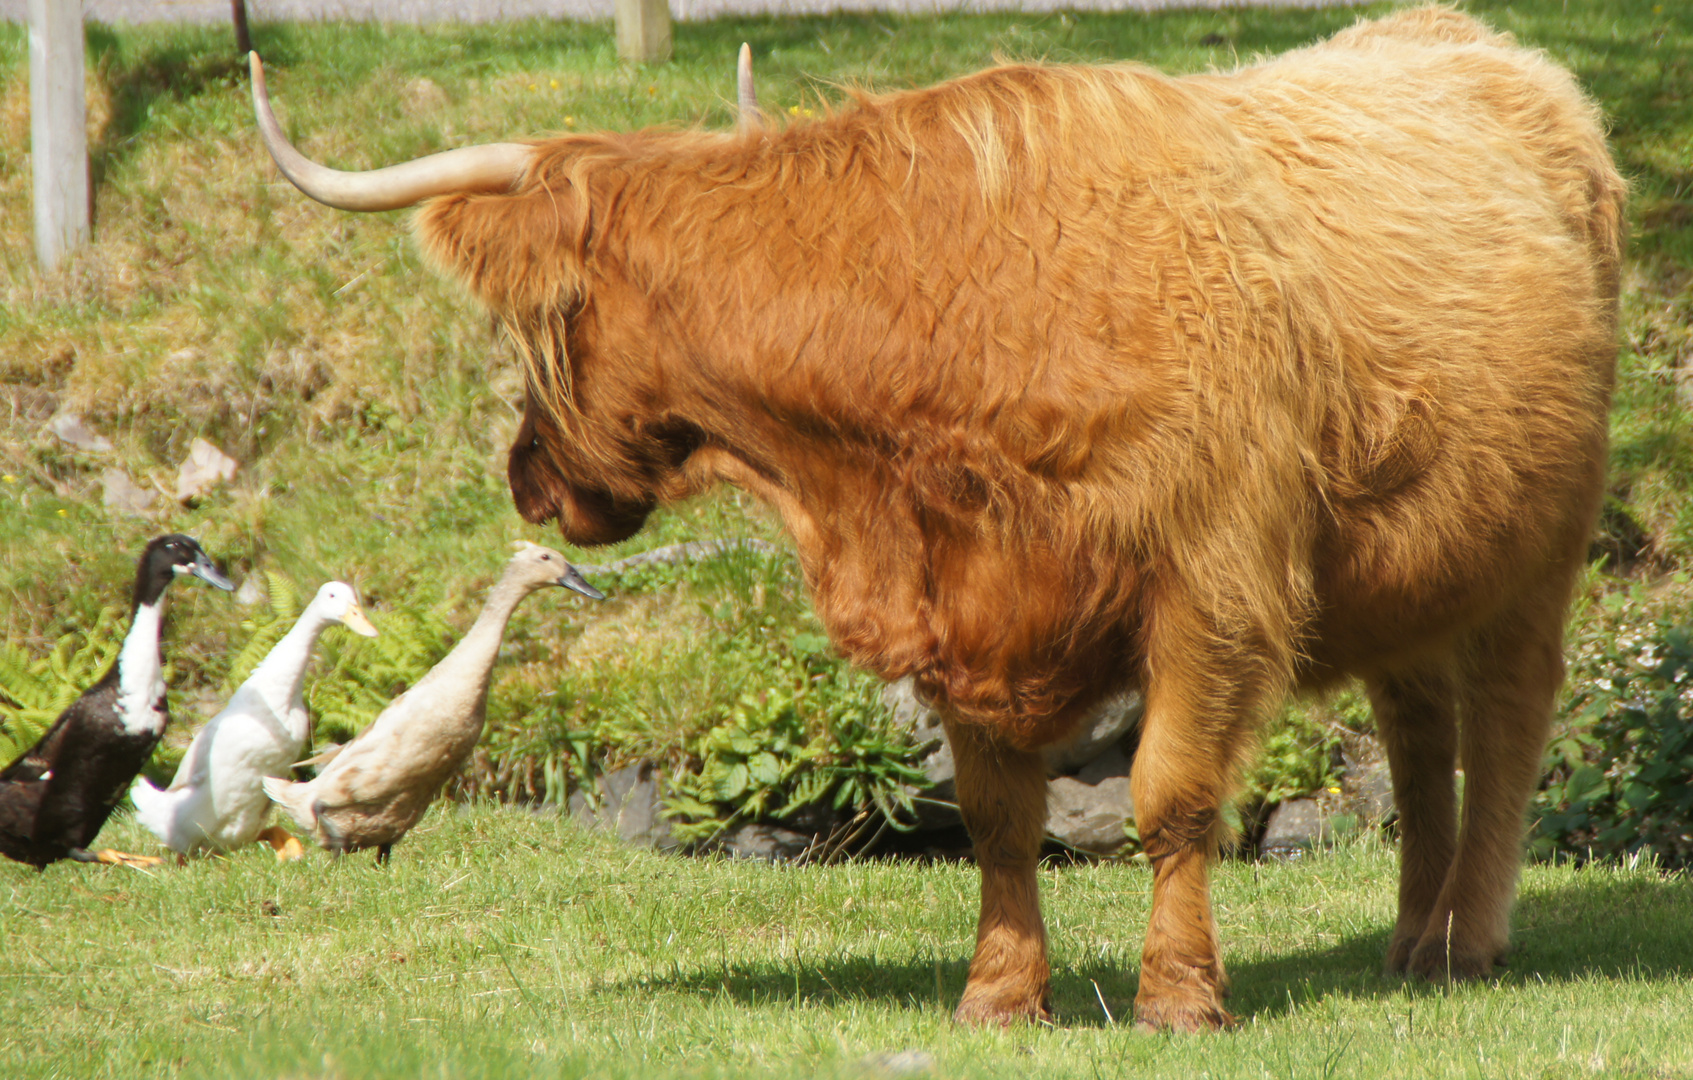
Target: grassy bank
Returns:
[499, 944]
[370, 405]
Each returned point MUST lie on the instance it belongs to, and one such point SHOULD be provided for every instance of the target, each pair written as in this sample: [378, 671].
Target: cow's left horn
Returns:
[492, 167]
[751, 117]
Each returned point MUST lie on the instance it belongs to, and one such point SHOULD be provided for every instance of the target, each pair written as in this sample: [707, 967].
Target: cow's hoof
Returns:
[1173, 1014]
[985, 1008]
[1399, 954]
[1431, 960]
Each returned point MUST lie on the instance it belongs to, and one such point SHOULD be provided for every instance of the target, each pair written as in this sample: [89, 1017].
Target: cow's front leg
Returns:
[1182, 772]
[1002, 794]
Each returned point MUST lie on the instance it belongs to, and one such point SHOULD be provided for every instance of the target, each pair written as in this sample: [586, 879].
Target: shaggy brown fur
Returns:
[1069, 378]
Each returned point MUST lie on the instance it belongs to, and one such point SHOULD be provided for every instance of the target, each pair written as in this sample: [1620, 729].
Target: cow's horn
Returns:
[746, 97]
[492, 167]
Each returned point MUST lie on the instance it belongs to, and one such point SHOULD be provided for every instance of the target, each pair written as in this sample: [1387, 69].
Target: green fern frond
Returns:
[284, 596]
[362, 675]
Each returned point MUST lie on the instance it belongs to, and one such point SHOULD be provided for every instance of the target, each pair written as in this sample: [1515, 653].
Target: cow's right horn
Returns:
[491, 167]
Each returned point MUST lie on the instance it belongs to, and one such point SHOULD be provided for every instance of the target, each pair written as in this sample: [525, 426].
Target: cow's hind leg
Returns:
[1416, 718]
[1002, 794]
[1510, 675]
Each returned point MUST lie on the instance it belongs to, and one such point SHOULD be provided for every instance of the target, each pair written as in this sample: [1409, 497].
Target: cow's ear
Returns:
[518, 252]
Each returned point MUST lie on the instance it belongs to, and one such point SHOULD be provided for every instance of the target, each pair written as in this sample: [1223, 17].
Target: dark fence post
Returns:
[243, 40]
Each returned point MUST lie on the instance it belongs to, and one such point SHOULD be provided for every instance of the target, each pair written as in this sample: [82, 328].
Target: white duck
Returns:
[377, 786]
[217, 800]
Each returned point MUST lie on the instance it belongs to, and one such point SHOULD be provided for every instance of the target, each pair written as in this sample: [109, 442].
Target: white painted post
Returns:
[643, 30]
[58, 136]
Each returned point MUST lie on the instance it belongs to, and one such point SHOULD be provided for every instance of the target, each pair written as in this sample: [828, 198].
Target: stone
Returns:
[1367, 782]
[899, 1062]
[937, 803]
[1295, 827]
[1115, 761]
[770, 843]
[252, 591]
[1089, 817]
[631, 804]
[1370, 793]
[1103, 727]
[68, 427]
[122, 494]
[204, 468]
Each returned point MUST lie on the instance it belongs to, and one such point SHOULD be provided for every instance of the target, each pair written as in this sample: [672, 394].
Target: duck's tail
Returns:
[294, 798]
[160, 812]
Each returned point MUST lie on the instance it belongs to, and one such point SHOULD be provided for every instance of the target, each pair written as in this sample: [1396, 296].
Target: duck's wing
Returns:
[37, 762]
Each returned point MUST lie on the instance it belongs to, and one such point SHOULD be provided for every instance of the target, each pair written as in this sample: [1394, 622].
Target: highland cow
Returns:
[1066, 379]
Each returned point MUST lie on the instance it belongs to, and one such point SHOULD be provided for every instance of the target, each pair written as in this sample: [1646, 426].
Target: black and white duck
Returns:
[55, 798]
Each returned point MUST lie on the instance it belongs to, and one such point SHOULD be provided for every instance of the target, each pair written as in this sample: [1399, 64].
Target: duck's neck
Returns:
[141, 679]
[282, 673]
[475, 654]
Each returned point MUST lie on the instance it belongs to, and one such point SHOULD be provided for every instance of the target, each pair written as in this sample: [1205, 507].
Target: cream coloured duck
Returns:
[57, 795]
[217, 799]
[379, 784]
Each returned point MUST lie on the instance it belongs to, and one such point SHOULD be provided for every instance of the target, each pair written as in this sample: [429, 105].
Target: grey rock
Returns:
[936, 804]
[1089, 817]
[1103, 727]
[204, 468]
[909, 710]
[122, 494]
[770, 843]
[1370, 793]
[1295, 827]
[1366, 781]
[631, 804]
[899, 1062]
[25, 402]
[1096, 748]
[1115, 761]
[68, 427]
[252, 591]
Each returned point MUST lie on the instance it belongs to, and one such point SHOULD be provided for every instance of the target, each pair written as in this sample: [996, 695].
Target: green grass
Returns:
[499, 944]
[370, 407]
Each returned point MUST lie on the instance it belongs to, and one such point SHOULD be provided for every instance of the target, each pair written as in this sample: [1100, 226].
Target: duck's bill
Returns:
[572, 580]
[356, 621]
[205, 571]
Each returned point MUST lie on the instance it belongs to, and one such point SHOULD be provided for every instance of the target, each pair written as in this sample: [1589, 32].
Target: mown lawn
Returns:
[370, 407]
[501, 944]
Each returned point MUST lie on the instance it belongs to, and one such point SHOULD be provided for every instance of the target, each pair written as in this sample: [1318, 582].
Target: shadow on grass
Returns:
[1596, 928]
[181, 67]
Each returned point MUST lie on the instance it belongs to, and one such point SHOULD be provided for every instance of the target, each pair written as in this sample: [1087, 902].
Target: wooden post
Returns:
[243, 40]
[58, 145]
[643, 30]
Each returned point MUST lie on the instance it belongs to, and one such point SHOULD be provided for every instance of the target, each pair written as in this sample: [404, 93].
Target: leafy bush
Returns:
[775, 755]
[1299, 750]
[722, 675]
[1620, 775]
